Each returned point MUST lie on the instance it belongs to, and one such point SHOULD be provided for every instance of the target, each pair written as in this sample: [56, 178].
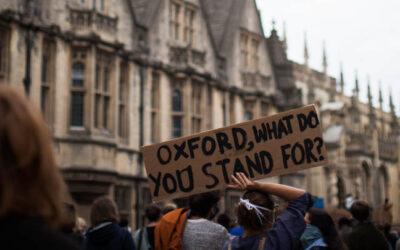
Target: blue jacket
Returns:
[109, 237]
[285, 233]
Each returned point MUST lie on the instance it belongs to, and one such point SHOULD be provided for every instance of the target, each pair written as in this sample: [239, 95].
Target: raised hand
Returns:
[242, 182]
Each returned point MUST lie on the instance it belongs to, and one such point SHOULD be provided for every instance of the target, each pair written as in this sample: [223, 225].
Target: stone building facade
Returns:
[113, 75]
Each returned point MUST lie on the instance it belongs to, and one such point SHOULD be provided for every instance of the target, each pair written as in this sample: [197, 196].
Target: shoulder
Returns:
[35, 234]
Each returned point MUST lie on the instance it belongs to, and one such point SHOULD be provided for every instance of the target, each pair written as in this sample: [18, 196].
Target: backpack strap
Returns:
[140, 239]
[261, 244]
[230, 245]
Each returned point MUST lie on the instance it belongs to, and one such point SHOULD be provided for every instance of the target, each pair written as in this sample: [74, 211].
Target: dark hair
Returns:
[360, 210]
[225, 221]
[30, 182]
[201, 204]
[344, 221]
[103, 209]
[153, 212]
[123, 222]
[325, 224]
[69, 221]
[248, 218]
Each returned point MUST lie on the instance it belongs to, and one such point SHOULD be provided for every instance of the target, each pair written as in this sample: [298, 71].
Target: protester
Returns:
[323, 221]
[390, 237]
[236, 231]
[144, 237]
[69, 224]
[311, 235]
[179, 230]
[105, 233]
[255, 213]
[168, 208]
[345, 227]
[31, 186]
[225, 221]
[200, 231]
[365, 236]
[124, 223]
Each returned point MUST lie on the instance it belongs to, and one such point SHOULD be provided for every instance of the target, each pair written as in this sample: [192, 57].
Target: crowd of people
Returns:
[34, 214]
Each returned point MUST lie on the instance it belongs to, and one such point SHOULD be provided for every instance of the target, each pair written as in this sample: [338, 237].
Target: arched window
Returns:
[177, 113]
[248, 115]
[177, 101]
[77, 94]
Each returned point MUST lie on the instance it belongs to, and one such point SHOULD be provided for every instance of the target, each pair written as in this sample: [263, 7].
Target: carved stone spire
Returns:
[380, 96]
[324, 59]
[284, 40]
[341, 79]
[356, 88]
[306, 55]
[391, 105]
[369, 95]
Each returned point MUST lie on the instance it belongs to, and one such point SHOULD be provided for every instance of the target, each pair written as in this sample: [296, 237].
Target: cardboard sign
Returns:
[269, 146]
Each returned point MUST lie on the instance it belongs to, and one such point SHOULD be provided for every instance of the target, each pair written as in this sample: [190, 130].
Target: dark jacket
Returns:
[109, 237]
[366, 236]
[20, 232]
[285, 233]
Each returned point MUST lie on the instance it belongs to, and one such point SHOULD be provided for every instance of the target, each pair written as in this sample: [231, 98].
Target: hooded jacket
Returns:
[108, 236]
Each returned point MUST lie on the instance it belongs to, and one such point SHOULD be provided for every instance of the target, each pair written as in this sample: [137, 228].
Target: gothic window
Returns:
[102, 94]
[155, 107]
[244, 50]
[196, 107]
[248, 116]
[123, 98]
[47, 78]
[189, 25]
[78, 88]
[232, 116]
[4, 38]
[122, 197]
[264, 109]
[249, 44]
[177, 114]
[182, 21]
[175, 19]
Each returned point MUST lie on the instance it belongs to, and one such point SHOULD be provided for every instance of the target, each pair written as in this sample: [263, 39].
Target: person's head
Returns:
[153, 212]
[387, 227]
[360, 210]
[30, 182]
[69, 221]
[103, 209]
[168, 208]
[224, 220]
[248, 218]
[344, 221]
[204, 205]
[323, 221]
[123, 223]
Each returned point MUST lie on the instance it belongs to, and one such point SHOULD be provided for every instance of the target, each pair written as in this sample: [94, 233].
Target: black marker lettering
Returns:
[160, 159]
[215, 179]
[223, 163]
[189, 172]
[222, 140]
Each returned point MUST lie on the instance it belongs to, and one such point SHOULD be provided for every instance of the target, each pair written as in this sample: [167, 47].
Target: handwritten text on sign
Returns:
[270, 146]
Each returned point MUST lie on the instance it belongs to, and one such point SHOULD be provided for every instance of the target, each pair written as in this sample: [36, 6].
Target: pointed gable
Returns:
[144, 10]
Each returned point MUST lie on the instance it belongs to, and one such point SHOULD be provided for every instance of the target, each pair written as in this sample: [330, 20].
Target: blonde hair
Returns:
[30, 182]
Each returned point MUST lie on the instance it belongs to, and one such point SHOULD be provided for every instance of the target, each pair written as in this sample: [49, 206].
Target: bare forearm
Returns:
[282, 191]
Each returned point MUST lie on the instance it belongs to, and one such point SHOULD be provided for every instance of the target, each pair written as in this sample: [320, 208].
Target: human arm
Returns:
[285, 192]
[287, 230]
